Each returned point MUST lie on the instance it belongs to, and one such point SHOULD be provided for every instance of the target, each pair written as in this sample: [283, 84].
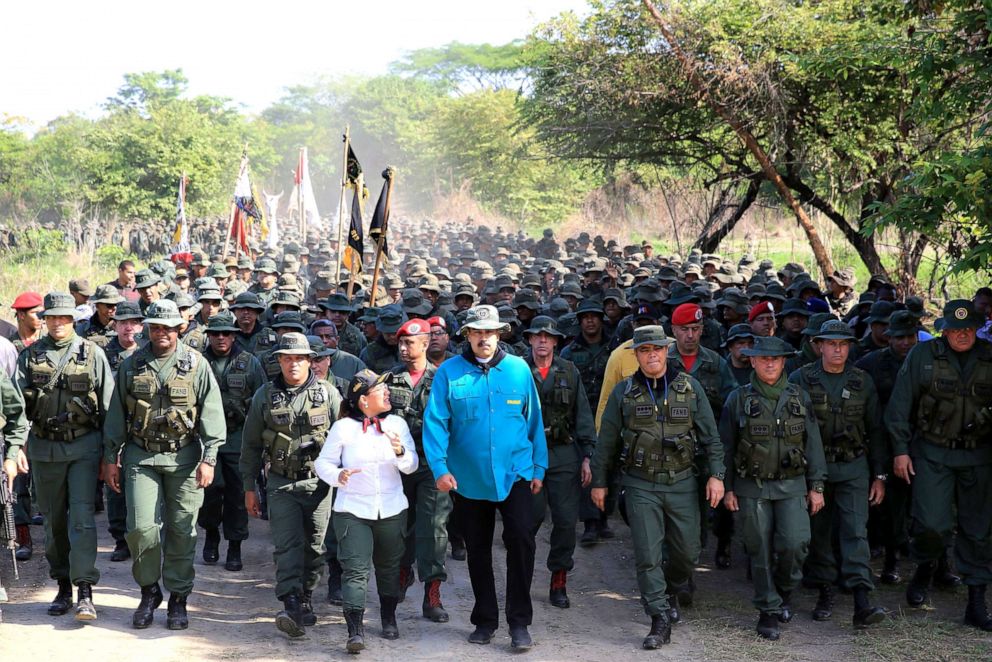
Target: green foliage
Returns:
[468, 67]
[37, 244]
[109, 256]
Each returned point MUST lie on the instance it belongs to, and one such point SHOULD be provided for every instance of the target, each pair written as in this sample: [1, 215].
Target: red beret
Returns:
[761, 309]
[687, 313]
[437, 321]
[27, 301]
[414, 327]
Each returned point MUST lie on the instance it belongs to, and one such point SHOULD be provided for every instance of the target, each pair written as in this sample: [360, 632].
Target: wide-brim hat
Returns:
[543, 324]
[960, 314]
[164, 313]
[769, 346]
[834, 330]
[59, 304]
[483, 318]
[107, 294]
[653, 334]
[294, 343]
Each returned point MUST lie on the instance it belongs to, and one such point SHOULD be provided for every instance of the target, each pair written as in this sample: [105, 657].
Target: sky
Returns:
[60, 56]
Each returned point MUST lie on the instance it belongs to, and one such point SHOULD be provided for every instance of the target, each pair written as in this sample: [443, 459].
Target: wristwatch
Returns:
[210, 461]
[882, 477]
[719, 476]
[817, 486]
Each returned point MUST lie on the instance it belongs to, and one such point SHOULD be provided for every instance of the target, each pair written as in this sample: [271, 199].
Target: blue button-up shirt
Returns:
[484, 427]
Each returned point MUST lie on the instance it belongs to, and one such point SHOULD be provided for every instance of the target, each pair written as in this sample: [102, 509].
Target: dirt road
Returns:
[231, 618]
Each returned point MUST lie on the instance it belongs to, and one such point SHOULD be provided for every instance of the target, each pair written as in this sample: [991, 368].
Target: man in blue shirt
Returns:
[484, 438]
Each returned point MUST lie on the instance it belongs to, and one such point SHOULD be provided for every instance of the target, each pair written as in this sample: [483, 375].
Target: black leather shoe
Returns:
[520, 638]
[480, 635]
[211, 547]
[63, 599]
[768, 626]
[290, 619]
[355, 619]
[977, 612]
[864, 613]
[334, 582]
[85, 611]
[916, 591]
[458, 550]
[176, 618]
[307, 616]
[151, 598]
[824, 608]
[233, 561]
[590, 534]
[943, 577]
[121, 552]
[890, 572]
[660, 633]
[786, 614]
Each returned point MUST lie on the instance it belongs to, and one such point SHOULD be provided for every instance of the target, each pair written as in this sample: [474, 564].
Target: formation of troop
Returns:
[381, 431]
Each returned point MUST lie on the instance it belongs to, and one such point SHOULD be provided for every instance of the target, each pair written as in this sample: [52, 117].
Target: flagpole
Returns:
[388, 174]
[344, 187]
[300, 202]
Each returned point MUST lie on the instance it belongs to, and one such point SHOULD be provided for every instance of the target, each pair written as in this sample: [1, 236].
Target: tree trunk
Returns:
[711, 237]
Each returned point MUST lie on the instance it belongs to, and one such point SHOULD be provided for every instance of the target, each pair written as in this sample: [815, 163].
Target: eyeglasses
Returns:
[438, 334]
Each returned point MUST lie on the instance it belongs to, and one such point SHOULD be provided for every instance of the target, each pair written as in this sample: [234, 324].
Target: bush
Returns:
[109, 256]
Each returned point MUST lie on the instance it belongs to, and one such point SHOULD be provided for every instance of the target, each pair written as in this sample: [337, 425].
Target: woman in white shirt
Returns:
[363, 456]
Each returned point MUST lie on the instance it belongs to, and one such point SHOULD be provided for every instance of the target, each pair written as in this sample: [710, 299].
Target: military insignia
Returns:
[761, 430]
[961, 313]
[797, 428]
[178, 391]
[236, 381]
[699, 315]
[78, 387]
[141, 388]
[643, 410]
[318, 419]
[845, 394]
[482, 313]
[39, 378]
[679, 412]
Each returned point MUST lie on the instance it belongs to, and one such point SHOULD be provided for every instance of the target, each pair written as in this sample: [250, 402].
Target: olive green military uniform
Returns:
[379, 356]
[95, 332]
[939, 414]
[771, 437]
[854, 445]
[166, 417]
[352, 340]
[67, 388]
[591, 363]
[261, 341]
[649, 431]
[13, 423]
[239, 375]
[570, 431]
[287, 426]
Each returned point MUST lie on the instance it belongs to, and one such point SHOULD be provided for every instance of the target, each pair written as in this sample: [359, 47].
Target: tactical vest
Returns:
[116, 354]
[772, 443]
[658, 442]
[885, 372]
[66, 407]
[409, 403]
[235, 391]
[162, 415]
[842, 424]
[591, 367]
[954, 413]
[293, 441]
[270, 362]
[380, 359]
[708, 376]
[556, 407]
[263, 341]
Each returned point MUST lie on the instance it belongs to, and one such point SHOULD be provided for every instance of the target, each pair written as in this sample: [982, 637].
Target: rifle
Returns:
[8, 531]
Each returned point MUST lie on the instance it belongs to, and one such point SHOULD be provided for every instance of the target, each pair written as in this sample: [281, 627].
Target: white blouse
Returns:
[376, 492]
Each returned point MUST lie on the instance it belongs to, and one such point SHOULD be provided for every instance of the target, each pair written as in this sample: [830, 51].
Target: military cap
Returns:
[571, 277]
[558, 307]
[184, 300]
[370, 315]
[648, 291]
[693, 268]
[230, 261]
[815, 321]
[266, 265]
[735, 299]
[801, 283]
[507, 314]
[81, 286]
[738, 332]
[222, 321]
[430, 283]
[617, 295]
[568, 324]
[681, 293]
[916, 308]
[646, 312]
[390, 318]
[59, 303]
[294, 343]
[571, 290]
[668, 272]
[209, 291]
[127, 310]
[107, 294]
[290, 319]
[844, 277]
[485, 318]
[244, 262]
[834, 329]
[288, 298]
[526, 298]
[589, 306]
[164, 313]
[288, 281]
[959, 314]
[146, 278]
[652, 334]
[596, 265]
[317, 346]
[769, 346]
[414, 302]
[337, 302]
[27, 301]
[414, 327]
[902, 323]
[794, 307]
[530, 280]
[217, 270]
[248, 300]
[543, 324]
[880, 312]
[502, 281]
[200, 259]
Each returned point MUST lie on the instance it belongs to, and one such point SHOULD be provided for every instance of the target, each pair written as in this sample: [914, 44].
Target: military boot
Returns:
[768, 626]
[824, 608]
[387, 614]
[334, 582]
[590, 534]
[977, 612]
[121, 551]
[433, 609]
[85, 611]
[176, 618]
[308, 617]
[943, 576]
[916, 592]
[558, 595]
[603, 529]
[458, 552]
[890, 572]
[406, 581]
[211, 547]
[63, 599]
[151, 598]
[660, 633]
[290, 619]
[785, 615]
[864, 613]
[355, 619]
[25, 547]
[233, 561]
[722, 558]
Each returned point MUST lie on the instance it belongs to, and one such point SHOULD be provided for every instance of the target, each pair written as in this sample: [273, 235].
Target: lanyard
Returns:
[647, 383]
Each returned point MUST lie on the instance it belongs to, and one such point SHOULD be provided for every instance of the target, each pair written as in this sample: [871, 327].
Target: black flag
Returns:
[380, 218]
[356, 239]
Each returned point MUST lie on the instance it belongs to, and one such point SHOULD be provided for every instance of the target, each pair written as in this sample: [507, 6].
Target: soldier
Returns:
[652, 424]
[124, 283]
[67, 385]
[252, 336]
[100, 327]
[146, 284]
[846, 407]
[287, 423]
[341, 364]
[770, 434]
[13, 435]
[426, 536]
[266, 277]
[283, 323]
[738, 339]
[841, 296]
[164, 426]
[571, 437]
[239, 375]
[938, 420]
[337, 308]
[28, 308]
[383, 353]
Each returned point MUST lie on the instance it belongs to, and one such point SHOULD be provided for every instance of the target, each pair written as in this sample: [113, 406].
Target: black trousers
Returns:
[479, 519]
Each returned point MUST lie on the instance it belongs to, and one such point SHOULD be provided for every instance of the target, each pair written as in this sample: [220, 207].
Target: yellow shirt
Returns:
[621, 364]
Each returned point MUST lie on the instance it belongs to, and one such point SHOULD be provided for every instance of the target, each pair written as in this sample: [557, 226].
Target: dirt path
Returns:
[231, 618]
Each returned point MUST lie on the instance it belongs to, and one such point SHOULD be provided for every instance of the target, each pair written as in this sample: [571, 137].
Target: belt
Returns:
[302, 474]
[164, 444]
[63, 435]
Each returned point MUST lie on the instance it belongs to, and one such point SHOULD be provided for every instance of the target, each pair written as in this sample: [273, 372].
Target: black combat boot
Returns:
[590, 534]
[977, 612]
[308, 617]
[433, 609]
[176, 618]
[121, 551]
[458, 552]
[943, 576]
[334, 582]
[355, 618]
[786, 614]
[916, 592]
[603, 529]
[151, 598]
[684, 593]
[864, 613]
[63, 599]
[85, 611]
[387, 614]
[25, 547]
[558, 595]
[890, 572]
[768, 626]
[722, 558]
[660, 633]
[673, 613]
[406, 581]
[211, 546]
[824, 608]
[233, 562]
[290, 619]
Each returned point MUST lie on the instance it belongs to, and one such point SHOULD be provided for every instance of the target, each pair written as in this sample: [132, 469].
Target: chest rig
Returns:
[61, 400]
[954, 412]
[162, 413]
[410, 403]
[295, 428]
[657, 439]
[842, 422]
[772, 444]
[235, 391]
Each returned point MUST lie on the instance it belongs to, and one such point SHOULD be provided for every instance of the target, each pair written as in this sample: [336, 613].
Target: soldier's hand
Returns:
[876, 494]
[598, 495]
[22, 462]
[10, 467]
[446, 483]
[902, 466]
[112, 476]
[585, 473]
[815, 500]
[714, 491]
[251, 504]
[346, 474]
[204, 475]
[730, 502]
[535, 486]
